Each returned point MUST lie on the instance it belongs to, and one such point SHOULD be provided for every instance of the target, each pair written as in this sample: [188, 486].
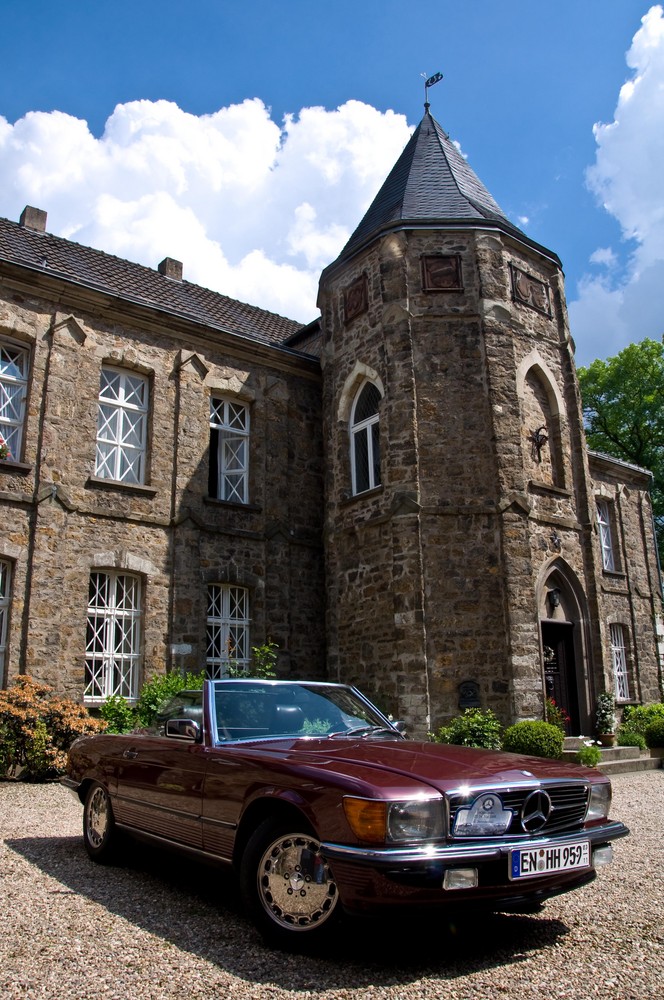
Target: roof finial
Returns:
[429, 82]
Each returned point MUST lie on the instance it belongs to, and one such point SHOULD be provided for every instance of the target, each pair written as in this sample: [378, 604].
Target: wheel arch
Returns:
[83, 788]
[274, 808]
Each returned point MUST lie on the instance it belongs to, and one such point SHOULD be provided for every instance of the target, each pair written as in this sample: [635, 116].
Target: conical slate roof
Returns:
[431, 185]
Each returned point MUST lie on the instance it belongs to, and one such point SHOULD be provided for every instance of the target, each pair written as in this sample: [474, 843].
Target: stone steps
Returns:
[617, 760]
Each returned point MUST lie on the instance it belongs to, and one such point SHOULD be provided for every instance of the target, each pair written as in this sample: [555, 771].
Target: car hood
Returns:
[443, 767]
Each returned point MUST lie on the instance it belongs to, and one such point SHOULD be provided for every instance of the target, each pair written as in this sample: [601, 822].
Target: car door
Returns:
[160, 780]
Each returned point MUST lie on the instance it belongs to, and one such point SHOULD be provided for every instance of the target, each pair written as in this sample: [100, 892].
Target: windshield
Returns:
[264, 709]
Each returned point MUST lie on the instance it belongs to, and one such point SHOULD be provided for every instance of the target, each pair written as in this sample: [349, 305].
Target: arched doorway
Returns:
[560, 671]
[562, 609]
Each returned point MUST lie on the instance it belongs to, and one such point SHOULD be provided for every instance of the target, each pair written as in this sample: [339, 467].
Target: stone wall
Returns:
[60, 520]
[630, 594]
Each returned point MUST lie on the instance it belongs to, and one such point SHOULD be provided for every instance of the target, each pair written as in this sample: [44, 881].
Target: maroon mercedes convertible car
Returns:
[322, 805]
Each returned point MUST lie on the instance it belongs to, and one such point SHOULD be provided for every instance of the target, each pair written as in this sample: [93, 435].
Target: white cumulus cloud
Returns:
[611, 312]
[253, 208]
[604, 257]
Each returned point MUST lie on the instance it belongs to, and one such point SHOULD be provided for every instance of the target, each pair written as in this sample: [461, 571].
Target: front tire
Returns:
[100, 835]
[287, 885]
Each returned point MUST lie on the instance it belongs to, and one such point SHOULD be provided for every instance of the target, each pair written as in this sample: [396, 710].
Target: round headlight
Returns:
[419, 819]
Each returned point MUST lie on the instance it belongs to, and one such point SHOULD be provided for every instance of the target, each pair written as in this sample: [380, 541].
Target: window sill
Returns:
[365, 494]
[535, 487]
[98, 483]
[613, 574]
[9, 465]
[96, 702]
[235, 504]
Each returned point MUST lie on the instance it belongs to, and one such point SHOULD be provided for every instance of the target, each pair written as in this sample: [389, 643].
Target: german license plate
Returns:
[527, 862]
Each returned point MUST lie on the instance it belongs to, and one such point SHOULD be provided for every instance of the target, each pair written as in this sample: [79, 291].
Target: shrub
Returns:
[589, 755]
[628, 737]
[538, 739]
[637, 718]
[654, 733]
[263, 662]
[475, 728]
[118, 714]
[157, 690]
[37, 729]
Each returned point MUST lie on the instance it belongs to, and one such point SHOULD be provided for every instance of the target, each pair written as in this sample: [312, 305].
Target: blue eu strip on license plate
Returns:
[527, 862]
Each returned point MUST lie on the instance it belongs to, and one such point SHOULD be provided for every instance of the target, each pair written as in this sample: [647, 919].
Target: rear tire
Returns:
[287, 886]
[100, 835]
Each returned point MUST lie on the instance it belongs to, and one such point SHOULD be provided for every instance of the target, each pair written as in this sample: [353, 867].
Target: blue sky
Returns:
[247, 139]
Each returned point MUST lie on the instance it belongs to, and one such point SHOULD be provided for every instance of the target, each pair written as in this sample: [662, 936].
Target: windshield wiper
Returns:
[364, 731]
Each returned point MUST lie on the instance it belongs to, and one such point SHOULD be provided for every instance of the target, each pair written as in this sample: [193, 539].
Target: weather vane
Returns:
[429, 82]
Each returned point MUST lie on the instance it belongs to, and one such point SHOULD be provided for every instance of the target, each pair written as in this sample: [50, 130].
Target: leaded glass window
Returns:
[122, 426]
[227, 629]
[229, 451]
[13, 395]
[112, 654]
[619, 657]
[365, 439]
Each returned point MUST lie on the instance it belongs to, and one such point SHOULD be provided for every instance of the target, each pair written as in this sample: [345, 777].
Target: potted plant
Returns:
[605, 719]
[4, 448]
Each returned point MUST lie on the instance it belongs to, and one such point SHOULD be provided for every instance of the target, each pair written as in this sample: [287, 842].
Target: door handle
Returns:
[130, 754]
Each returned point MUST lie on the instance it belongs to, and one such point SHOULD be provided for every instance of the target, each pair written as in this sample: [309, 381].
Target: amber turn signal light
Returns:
[367, 818]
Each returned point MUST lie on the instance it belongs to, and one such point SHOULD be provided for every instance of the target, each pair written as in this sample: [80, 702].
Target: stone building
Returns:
[398, 494]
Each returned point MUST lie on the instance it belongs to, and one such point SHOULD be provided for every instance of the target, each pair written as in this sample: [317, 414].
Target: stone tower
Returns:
[459, 512]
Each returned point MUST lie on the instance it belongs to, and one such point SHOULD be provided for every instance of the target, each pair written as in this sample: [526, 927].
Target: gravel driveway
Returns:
[164, 927]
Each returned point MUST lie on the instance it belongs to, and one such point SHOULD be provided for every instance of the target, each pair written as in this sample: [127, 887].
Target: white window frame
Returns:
[619, 659]
[605, 535]
[227, 629]
[367, 431]
[14, 368]
[5, 599]
[229, 437]
[122, 421]
[113, 643]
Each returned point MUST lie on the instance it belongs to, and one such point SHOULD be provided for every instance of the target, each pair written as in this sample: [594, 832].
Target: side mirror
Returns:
[183, 729]
[401, 727]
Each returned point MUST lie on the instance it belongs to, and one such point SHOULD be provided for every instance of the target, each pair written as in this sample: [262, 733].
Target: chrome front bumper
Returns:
[471, 851]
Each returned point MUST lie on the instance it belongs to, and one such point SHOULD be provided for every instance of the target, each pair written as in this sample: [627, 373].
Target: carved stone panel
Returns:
[442, 273]
[356, 298]
[530, 291]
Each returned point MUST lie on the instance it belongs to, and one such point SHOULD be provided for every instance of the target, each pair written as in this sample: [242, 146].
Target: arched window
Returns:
[365, 439]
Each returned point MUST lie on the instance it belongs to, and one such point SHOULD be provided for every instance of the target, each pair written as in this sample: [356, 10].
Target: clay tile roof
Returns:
[431, 184]
[138, 284]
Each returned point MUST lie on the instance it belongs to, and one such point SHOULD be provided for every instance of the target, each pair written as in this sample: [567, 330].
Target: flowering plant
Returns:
[4, 448]
[605, 713]
[556, 715]
[37, 728]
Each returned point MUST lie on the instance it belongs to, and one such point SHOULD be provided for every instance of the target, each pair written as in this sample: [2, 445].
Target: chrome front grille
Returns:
[569, 803]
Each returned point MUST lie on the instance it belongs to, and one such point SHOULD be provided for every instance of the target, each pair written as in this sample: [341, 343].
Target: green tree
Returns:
[623, 405]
